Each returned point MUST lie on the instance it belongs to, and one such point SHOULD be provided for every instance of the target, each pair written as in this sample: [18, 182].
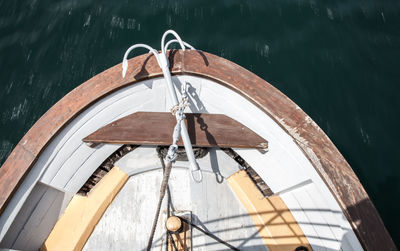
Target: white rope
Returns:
[184, 101]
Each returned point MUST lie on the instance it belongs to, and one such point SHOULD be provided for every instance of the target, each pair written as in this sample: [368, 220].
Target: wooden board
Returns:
[217, 211]
[156, 128]
[83, 212]
[276, 224]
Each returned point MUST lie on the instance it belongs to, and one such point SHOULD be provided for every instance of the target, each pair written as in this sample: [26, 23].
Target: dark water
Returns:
[338, 60]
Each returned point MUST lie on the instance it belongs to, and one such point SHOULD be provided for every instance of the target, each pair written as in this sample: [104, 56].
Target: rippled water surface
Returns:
[338, 60]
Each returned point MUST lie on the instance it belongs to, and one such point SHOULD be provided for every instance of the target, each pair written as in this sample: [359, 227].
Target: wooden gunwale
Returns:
[326, 159]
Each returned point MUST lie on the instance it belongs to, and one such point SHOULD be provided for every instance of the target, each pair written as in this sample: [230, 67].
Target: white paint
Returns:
[319, 222]
[67, 163]
[127, 222]
[66, 142]
[36, 218]
[145, 158]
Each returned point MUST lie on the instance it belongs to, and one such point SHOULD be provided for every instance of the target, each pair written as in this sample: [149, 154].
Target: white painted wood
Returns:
[67, 163]
[23, 216]
[42, 222]
[304, 222]
[140, 159]
[93, 118]
[88, 166]
[127, 222]
[66, 142]
[36, 219]
[46, 166]
[145, 158]
[327, 214]
[216, 208]
[319, 221]
[73, 157]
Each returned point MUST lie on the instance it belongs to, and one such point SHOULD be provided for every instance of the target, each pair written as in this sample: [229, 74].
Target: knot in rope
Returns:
[183, 103]
[181, 106]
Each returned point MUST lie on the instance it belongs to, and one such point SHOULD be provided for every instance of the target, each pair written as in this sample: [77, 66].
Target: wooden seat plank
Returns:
[156, 128]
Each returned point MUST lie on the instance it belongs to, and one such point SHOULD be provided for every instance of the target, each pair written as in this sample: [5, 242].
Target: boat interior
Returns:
[105, 192]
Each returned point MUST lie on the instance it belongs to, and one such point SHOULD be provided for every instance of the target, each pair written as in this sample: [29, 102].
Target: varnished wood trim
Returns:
[275, 223]
[83, 213]
[205, 130]
[327, 160]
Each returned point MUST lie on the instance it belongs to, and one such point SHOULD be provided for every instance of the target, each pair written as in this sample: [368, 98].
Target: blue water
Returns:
[338, 60]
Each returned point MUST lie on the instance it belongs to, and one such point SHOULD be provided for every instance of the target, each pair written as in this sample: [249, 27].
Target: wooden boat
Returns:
[87, 175]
